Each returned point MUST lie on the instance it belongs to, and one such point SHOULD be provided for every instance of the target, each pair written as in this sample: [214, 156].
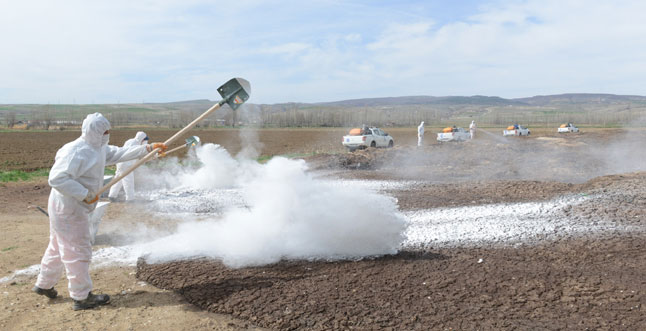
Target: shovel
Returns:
[234, 93]
[190, 142]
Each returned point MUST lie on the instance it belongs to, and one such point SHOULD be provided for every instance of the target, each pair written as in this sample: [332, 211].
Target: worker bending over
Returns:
[128, 182]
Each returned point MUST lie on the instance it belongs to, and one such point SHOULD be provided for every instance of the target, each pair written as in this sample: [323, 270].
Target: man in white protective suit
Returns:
[472, 129]
[420, 134]
[75, 177]
[128, 182]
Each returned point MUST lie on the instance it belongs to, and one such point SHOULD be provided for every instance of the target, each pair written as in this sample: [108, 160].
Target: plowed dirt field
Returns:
[546, 232]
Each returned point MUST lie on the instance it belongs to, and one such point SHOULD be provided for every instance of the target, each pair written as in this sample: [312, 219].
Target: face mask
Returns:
[105, 139]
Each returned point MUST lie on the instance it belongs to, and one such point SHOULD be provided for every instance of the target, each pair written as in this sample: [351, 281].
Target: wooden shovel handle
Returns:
[127, 172]
[154, 151]
[192, 124]
[175, 149]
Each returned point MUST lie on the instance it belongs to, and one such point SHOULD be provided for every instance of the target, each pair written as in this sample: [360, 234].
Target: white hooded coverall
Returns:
[128, 182]
[472, 129]
[78, 169]
[420, 134]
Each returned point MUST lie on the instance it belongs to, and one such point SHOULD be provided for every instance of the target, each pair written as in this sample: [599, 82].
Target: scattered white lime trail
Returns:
[483, 225]
[29, 271]
[285, 214]
[501, 224]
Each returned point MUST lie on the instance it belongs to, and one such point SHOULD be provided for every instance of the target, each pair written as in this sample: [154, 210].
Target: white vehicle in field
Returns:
[567, 128]
[360, 138]
[516, 130]
[453, 134]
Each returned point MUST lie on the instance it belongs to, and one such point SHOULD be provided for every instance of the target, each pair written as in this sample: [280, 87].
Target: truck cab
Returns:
[360, 138]
[567, 128]
[453, 134]
[516, 130]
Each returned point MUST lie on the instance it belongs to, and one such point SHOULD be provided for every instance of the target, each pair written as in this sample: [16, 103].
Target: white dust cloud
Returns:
[285, 214]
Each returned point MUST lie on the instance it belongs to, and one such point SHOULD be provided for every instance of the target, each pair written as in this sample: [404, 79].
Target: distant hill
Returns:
[476, 100]
[581, 108]
[423, 100]
[539, 100]
[581, 98]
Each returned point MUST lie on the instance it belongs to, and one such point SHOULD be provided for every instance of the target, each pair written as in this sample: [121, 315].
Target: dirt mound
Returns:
[566, 285]
[618, 198]
[364, 159]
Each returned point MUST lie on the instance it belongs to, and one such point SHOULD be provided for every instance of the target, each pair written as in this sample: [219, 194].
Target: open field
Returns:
[540, 232]
[601, 110]
[25, 150]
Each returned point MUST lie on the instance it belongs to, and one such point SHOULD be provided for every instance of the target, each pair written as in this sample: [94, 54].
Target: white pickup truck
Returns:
[367, 137]
[567, 128]
[453, 134]
[516, 130]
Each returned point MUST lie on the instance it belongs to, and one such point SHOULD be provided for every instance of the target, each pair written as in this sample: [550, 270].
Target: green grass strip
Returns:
[18, 175]
[110, 170]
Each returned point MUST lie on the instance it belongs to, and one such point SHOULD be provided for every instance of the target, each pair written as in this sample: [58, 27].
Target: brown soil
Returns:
[573, 283]
[23, 150]
[134, 304]
[565, 159]
[425, 196]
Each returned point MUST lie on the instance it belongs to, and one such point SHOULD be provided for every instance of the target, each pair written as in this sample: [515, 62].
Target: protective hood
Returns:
[140, 136]
[93, 128]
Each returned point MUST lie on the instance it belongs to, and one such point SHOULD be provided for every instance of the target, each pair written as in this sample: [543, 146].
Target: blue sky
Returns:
[122, 51]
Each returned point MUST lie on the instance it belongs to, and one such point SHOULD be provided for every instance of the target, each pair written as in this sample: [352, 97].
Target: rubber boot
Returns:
[51, 293]
[91, 301]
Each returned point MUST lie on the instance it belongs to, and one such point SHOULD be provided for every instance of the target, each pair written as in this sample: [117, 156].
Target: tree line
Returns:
[303, 115]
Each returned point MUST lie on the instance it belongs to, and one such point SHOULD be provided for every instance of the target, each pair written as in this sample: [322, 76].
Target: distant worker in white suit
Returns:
[420, 134]
[472, 129]
[128, 182]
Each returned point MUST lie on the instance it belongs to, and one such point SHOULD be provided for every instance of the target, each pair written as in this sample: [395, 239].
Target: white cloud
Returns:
[170, 50]
[288, 49]
[352, 38]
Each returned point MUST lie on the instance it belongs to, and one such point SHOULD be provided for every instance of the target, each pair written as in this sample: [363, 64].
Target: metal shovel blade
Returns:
[235, 92]
[193, 141]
